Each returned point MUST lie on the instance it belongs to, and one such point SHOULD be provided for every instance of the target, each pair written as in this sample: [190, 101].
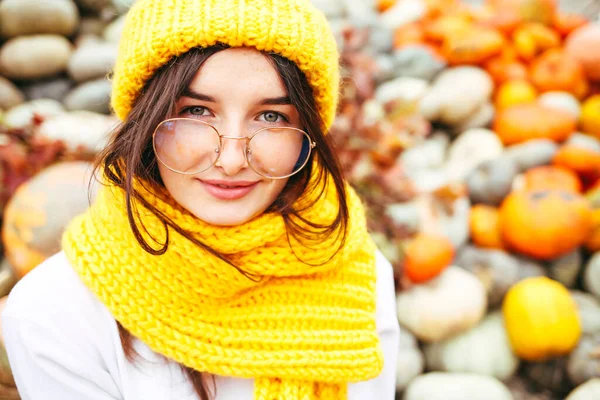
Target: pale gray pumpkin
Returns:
[496, 269]
[565, 269]
[584, 360]
[588, 308]
[410, 360]
[532, 153]
[451, 303]
[491, 181]
[591, 275]
[484, 349]
[587, 391]
[456, 386]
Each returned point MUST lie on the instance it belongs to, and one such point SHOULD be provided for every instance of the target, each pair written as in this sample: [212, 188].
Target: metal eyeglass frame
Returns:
[311, 146]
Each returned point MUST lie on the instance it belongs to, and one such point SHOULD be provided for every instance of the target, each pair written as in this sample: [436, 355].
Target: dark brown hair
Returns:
[130, 155]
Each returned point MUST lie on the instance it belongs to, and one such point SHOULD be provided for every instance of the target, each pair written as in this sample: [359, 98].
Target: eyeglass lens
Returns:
[189, 146]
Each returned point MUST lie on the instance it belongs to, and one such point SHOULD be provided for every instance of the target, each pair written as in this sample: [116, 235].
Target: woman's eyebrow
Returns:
[198, 96]
[267, 101]
[276, 101]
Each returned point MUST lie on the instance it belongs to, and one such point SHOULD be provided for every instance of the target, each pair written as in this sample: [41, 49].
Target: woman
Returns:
[225, 256]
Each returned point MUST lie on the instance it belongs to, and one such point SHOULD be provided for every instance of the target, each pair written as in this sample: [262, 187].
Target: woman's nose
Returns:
[232, 157]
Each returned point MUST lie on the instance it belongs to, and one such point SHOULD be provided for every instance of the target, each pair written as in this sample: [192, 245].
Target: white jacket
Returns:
[63, 344]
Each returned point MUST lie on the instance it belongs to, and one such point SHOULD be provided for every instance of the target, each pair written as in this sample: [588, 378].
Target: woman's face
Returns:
[238, 91]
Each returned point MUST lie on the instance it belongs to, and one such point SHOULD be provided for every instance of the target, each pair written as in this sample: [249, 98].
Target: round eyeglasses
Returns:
[190, 146]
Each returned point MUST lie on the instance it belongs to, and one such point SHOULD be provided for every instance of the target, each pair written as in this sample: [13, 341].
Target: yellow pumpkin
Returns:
[484, 223]
[590, 115]
[515, 92]
[541, 319]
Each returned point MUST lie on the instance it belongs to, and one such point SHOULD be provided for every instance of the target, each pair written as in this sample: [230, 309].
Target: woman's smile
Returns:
[228, 190]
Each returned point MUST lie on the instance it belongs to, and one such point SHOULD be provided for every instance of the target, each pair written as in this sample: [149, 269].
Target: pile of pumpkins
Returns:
[515, 311]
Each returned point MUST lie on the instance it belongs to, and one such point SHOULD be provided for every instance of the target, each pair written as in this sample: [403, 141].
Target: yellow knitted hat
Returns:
[157, 30]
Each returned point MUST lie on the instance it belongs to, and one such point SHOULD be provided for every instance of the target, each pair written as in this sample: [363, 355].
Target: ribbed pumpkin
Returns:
[556, 70]
[548, 177]
[541, 319]
[545, 224]
[426, 256]
[523, 122]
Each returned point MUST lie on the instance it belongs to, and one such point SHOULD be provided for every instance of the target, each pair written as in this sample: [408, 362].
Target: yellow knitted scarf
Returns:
[301, 331]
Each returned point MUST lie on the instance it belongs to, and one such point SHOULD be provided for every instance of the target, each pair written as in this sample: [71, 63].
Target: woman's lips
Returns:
[233, 191]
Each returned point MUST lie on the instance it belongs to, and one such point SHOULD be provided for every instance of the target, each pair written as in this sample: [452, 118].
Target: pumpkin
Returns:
[481, 118]
[503, 69]
[504, 21]
[531, 39]
[584, 361]
[548, 177]
[591, 275]
[583, 161]
[411, 33]
[496, 269]
[484, 349]
[523, 122]
[532, 153]
[588, 308]
[485, 226]
[515, 92]
[542, 11]
[491, 180]
[472, 46]
[384, 5]
[556, 70]
[453, 302]
[446, 26]
[445, 216]
[563, 101]
[40, 209]
[592, 243]
[566, 269]
[586, 391]
[469, 149]
[565, 22]
[590, 115]
[456, 386]
[545, 224]
[581, 44]
[541, 319]
[410, 360]
[426, 256]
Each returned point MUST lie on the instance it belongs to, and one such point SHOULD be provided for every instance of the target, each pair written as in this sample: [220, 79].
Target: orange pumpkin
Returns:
[565, 23]
[505, 21]
[545, 224]
[446, 26]
[384, 5]
[548, 177]
[504, 69]
[426, 256]
[583, 44]
[484, 223]
[472, 46]
[590, 115]
[529, 10]
[556, 70]
[515, 92]
[583, 161]
[411, 33]
[593, 241]
[523, 122]
[533, 38]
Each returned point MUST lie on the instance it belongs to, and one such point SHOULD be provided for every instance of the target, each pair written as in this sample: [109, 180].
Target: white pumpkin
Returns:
[591, 275]
[471, 148]
[456, 386]
[565, 269]
[410, 360]
[588, 308]
[484, 349]
[436, 217]
[587, 391]
[532, 153]
[472, 85]
[481, 118]
[453, 302]
[564, 101]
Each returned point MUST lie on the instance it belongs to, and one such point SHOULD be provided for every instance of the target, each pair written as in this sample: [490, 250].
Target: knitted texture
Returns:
[301, 331]
[157, 30]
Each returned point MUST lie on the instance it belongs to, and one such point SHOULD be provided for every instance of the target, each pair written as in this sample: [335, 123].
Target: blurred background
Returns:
[471, 129]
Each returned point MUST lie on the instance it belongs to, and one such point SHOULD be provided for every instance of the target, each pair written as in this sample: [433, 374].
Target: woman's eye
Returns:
[195, 110]
[272, 117]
